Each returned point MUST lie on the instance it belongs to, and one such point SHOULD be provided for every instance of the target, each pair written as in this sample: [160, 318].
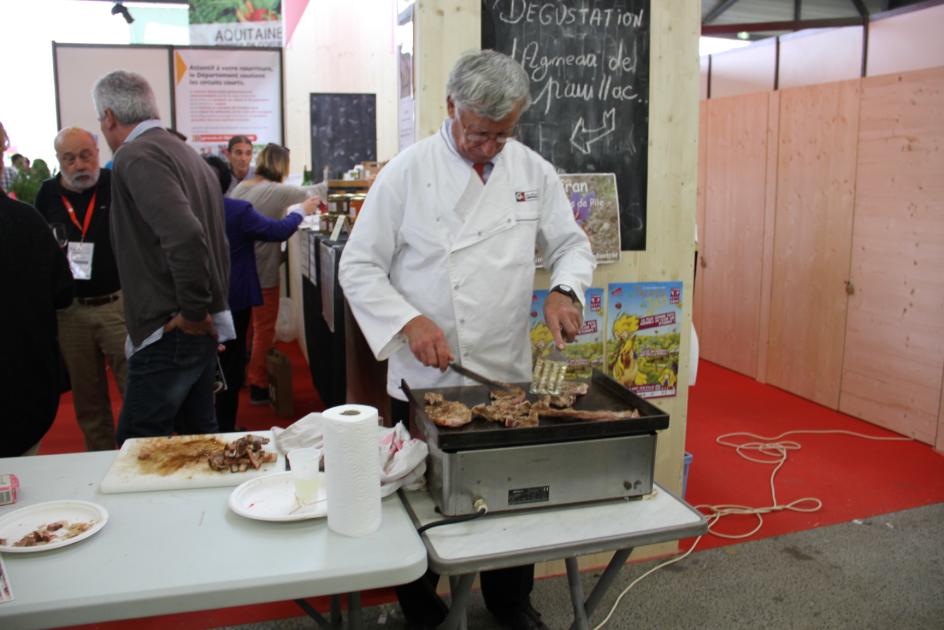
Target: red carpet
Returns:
[854, 478]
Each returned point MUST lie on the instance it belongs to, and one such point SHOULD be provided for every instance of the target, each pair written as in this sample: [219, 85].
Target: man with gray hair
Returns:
[92, 330]
[440, 268]
[168, 231]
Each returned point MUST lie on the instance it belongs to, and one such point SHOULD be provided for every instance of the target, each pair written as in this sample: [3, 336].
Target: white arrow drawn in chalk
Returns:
[582, 138]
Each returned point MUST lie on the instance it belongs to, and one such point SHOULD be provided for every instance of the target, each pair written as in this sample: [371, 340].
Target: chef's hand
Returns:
[563, 316]
[428, 343]
[203, 327]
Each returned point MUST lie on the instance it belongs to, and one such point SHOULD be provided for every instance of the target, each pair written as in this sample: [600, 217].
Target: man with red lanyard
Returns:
[92, 331]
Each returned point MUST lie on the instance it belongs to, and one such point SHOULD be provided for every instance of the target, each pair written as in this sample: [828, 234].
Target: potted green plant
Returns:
[26, 183]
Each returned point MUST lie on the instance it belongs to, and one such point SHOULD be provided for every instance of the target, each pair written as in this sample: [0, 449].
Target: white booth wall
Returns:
[341, 46]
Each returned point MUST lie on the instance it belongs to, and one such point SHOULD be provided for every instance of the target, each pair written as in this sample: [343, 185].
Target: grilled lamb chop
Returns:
[446, 413]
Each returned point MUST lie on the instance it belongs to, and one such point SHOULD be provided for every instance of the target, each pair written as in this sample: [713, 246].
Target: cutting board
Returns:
[126, 473]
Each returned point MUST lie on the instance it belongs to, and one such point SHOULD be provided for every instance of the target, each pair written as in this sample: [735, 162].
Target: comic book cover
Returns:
[643, 337]
[586, 352]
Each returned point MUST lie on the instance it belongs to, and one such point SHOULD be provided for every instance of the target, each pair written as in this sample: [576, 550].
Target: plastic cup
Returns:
[304, 464]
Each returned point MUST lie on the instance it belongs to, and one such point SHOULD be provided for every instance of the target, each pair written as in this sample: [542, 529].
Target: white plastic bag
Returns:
[402, 458]
[285, 323]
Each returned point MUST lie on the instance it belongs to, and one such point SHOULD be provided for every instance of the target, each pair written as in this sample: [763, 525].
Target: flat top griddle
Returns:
[604, 393]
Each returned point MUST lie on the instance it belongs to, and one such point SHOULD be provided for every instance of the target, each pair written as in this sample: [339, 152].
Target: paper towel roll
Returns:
[352, 469]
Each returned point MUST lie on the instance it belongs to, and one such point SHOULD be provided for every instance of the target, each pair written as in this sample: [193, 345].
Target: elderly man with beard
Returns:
[92, 330]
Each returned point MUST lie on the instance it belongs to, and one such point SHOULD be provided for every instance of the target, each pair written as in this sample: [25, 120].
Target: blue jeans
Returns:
[170, 388]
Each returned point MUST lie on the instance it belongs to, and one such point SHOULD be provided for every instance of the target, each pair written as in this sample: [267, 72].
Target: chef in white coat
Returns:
[440, 266]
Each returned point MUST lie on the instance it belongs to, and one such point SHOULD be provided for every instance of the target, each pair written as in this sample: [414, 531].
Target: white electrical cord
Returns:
[769, 450]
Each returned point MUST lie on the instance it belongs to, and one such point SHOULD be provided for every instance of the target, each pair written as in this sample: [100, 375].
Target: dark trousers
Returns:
[233, 362]
[170, 388]
[504, 590]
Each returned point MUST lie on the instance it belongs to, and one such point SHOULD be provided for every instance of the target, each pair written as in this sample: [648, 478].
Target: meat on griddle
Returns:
[510, 408]
[586, 414]
[513, 410]
[242, 454]
[446, 413]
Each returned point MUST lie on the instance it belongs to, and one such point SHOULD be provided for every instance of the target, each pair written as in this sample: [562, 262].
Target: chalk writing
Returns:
[588, 63]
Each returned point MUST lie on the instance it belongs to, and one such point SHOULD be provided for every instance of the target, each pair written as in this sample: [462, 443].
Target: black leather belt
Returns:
[98, 300]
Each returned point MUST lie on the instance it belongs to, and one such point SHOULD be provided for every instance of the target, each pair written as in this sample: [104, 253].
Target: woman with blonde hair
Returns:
[271, 197]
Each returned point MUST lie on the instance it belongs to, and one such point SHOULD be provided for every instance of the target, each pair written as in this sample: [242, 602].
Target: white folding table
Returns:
[507, 539]
[184, 550]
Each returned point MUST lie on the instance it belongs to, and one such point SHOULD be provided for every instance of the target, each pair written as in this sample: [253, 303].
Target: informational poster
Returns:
[222, 93]
[236, 23]
[583, 355]
[594, 199]
[643, 343]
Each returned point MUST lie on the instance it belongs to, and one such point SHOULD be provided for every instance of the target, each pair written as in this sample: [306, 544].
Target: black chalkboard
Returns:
[588, 61]
[343, 132]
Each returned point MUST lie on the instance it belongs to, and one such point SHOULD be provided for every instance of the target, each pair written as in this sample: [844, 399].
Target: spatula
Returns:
[549, 372]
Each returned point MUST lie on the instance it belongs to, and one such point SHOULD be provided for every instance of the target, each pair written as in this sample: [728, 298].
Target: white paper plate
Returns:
[15, 525]
[272, 498]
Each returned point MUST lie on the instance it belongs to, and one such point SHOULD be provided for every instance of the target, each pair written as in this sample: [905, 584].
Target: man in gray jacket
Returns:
[168, 232]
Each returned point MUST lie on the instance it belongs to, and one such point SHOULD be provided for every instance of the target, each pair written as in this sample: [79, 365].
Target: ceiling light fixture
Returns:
[122, 10]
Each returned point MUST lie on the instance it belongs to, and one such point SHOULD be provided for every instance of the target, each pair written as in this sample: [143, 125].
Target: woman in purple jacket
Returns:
[245, 226]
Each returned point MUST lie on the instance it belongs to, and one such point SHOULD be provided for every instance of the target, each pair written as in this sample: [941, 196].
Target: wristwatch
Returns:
[567, 290]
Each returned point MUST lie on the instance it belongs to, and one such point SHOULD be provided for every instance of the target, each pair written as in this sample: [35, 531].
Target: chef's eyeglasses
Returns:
[476, 138]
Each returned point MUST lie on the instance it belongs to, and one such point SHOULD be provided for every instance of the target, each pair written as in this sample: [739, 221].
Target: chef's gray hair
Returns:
[488, 83]
[127, 95]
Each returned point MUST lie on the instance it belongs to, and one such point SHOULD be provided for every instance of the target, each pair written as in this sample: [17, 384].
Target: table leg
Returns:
[576, 595]
[355, 616]
[314, 614]
[460, 600]
[454, 588]
[603, 583]
[336, 610]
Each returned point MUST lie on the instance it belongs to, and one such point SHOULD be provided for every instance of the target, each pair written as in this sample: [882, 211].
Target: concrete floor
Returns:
[882, 572]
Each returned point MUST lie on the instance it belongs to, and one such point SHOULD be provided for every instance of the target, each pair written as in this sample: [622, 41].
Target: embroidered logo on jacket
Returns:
[526, 195]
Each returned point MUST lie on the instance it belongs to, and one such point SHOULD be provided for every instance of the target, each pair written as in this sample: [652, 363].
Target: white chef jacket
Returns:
[412, 253]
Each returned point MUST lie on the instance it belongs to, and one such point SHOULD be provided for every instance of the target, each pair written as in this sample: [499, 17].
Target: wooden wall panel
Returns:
[770, 211]
[939, 440]
[812, 238]
[736, 156]
[895, 338]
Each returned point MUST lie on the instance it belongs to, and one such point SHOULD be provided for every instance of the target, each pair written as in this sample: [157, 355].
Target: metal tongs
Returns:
[549, 372]
[484, 380]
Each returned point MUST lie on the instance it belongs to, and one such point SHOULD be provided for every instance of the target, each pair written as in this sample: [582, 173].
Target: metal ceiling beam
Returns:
[860, 7]
[720, 8]
[766, 27]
